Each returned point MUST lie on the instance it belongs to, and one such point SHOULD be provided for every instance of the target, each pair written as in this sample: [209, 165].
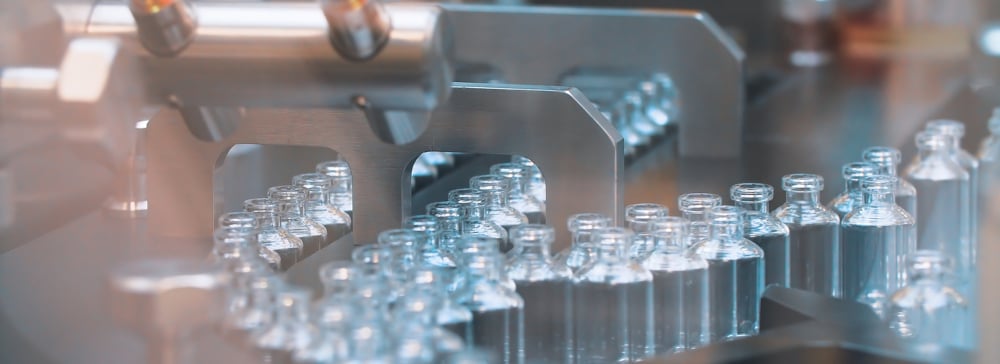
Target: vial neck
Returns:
[752, 206]
[450, 224]
[583, 237]
[473, 212]
[725, 232]
[932, 153]
[671, 245]
[517, 187]
[534, 251]
[693, 216]
[639, 225]
[316, 197]
[802, 198]
[853, 187]
[887, 168]
[496, 199]
[879, 198]
[267, 220]
[610, 253]
[292, 209]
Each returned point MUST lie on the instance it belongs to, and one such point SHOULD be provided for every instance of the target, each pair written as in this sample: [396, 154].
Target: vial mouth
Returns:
[928, 140]
[260, 205]
[467, 196]
[488, 182]
[882, 156]
[855, 171]
[334, 169]
[672, 224]
[946, 126]
[613, 236]
[802, 182]
[286, 193]
[879, 184]
[587, 221]
[698, 202]
[532, 234]
[751, 192]
[312, 181]
[426, 223]
[508, 170]
[645, 211]
[238, 220]
[400, 238]
[444, 209]
[725, 215]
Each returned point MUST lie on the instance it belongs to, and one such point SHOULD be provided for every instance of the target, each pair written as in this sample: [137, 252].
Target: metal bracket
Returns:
[557, 127]
[542, 44]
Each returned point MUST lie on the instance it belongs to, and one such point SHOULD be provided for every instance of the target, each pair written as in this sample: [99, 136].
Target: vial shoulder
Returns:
[714, 249]
[674, 262]
[936, 169]
[878, 216]
[599, 272]
[522, 270]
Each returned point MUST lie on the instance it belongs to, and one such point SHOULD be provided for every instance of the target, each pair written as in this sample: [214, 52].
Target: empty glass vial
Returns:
[876, 237]
[497, 311]
[613, 304]
[246, 224]
[430, 250]
[695, 207]
[637, 218]
[517, 194]
[290, 331]
[680, 289]
[943, 220]
[414, 326]
[498, 210]
[969, 163]
[449, 215]
[765, 230]
[927, 311]
[470, 246]
[404, 244]
[341, 188]
[582, 250]
[451, 316]
[546, 290]
[535, 184]
[291, 214]
[369, 337]
[814, 236]
[257, 309]
[332, 317]
[474, 222]
[271, 235]
[850, 199]
[989, 159]
[888, 159]
[735, 275]
[319, 209]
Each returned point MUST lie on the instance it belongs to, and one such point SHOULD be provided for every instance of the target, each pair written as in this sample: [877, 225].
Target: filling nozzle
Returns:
[358, 28]
[165, 27]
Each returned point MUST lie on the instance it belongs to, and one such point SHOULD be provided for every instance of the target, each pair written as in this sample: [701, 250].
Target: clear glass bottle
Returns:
[547, 292]
[850, 199]
[814, 236]
[970, 164]
[430, 251]
[451, 316]
[680, 288]
[888, 160]
[942, 184]
[876, 237]
[290, 331]
[414, 326]
[245, 224]
[765, 230]
[332, 316]
[735, 275]
[613, 304]
[342, 187]
[498, 209]
[404, 244]
[291, 215]
[497, 311]
[254, 314]
[319, 209]
[369, 336]
[517, 194]
[637, 218]
[535, 183]
[449, 215]
[695, 207]
[582, 250]
[474, 222]
[927, 311]
[989, 160]
[271, 235]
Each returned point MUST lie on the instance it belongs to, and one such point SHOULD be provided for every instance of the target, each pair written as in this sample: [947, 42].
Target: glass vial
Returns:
[680, 288]
[271, 235]
[518, 195]
[318, 208]
[341, 188]
[474, 221]
[850, 199]
[927, 311]
[498, 209]
[497, 311]
[765, 230]
[613, 303]
[735, 275]
[695, 207]
[582, 249]
[888, 159]
[942, 218]
[430, 250]
[535, 184]
[245, 224]
[291, 214]
[452, 316]
[814, 236]
[876, 237]
[449, 216]
[637, 218]
[546, 290]
[290, 331]
[970, 164]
